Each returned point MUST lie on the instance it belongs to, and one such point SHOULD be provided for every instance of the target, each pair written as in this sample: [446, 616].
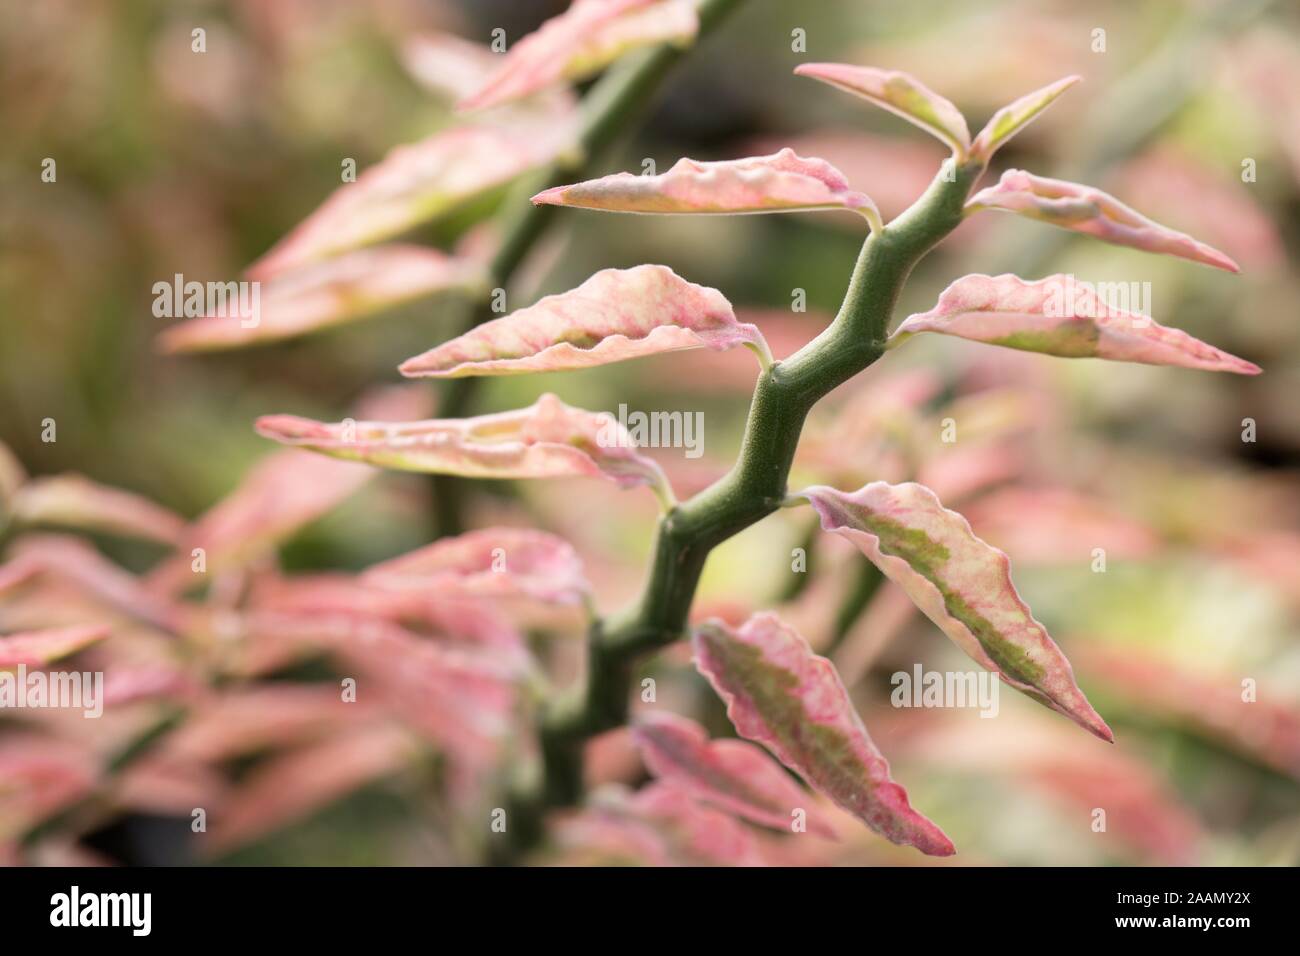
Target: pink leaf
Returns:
[73, 561]
[414, 184]
[280, 495]
[733, 775]
[255, 718]
[73, 501]
[37, 648]
[901, 94]
[960, 583]
[617, 314]
[549, 439]
[1011, 119]
[299, 783]
[781, 694]
[322, 295]
[580, 42]
[490, 563]
[782, 182]
[1061, 316]
[455, 68]
[1093, 213]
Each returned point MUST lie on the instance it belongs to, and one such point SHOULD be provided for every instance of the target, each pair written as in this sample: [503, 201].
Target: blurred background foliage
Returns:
[170, 163]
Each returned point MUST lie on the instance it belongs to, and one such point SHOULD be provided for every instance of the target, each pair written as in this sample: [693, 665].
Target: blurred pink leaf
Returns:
[615, 315]
[414, 184]
[962, 584]
[76, 562]
[658, 825]
[489, 563]
[1265, 727]
[322, 295]
[730, 774]
[1014, 117]
[246, 720]
[901, 94]
[1064, 317]
[1093, 213]
[782, 695]
[37, 648]
[73, 501]
[455, 68]
[290, 787]
[281, 494]
[549, 439]
[1057, 525]
[580, 42]
[38, 777]
[782, 182]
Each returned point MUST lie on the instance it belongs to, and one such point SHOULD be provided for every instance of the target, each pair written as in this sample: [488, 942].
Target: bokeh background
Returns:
[170, 162]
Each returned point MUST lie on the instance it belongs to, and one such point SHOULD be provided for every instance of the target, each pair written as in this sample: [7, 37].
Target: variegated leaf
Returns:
[960, 583]
[1014, 117]
[901, 94]
[782, 182]
[322, 295]
[490, 563]
[415, 184]
[782, 695]
[615, 315]
[1093, 213]
[1061, 316]
[583, 40]
[730, 774]
[37, 648]
[549, 439]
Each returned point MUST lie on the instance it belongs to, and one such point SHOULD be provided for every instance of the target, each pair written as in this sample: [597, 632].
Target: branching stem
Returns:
[753, 489]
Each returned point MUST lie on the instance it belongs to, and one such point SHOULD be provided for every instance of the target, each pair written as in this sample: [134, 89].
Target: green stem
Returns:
[753, 489]
[607, 111]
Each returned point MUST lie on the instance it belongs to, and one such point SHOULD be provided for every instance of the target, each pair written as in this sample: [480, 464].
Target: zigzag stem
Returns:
[753, 489]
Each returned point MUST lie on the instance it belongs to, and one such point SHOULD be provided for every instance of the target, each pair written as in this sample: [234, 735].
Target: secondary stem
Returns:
[753, 489]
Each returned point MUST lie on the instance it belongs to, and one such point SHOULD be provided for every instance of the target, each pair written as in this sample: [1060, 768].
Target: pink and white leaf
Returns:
[1061, 316]
[489, 563]
[415, 184]
[730, 774]
[351, 286]
[782, 695]
[1014, 117]
[580, 42]
[615, 315]
[549, 439]
[73, 501]
[38, 648]
[782, 182]
[961, 583]
[1092, 212]
[900, 93]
